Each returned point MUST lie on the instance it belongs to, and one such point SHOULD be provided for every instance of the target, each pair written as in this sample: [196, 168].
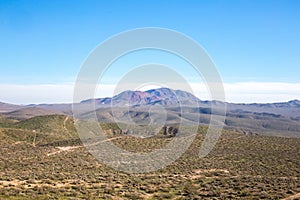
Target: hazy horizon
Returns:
[111, 94]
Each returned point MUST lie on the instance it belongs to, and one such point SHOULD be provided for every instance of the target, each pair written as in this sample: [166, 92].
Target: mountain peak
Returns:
[159, 96]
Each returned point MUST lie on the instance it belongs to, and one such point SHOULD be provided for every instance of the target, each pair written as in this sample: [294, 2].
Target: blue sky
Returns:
[45, 42]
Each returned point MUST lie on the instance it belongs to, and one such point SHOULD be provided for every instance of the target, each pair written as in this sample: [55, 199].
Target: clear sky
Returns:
[253, 43]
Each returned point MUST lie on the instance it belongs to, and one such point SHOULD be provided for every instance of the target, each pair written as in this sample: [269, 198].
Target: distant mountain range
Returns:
[272, 118]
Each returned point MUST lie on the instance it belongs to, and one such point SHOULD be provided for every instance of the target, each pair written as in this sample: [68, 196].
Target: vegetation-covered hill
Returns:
[239, 167]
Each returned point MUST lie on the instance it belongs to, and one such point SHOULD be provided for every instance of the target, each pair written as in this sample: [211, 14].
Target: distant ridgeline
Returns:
[179, 107]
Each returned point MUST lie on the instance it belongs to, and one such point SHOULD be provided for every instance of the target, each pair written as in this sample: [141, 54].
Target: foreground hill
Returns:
[4, 121]
[39, 130]
[57, 166]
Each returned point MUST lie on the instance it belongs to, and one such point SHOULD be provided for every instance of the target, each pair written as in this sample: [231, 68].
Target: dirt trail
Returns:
[65, 121]
[45, 183]
[70, 148]
[294, 197]
[65, 125]
[199, 172]
[62, 149]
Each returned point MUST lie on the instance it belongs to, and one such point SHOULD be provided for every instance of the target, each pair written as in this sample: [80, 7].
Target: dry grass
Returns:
[245, 167]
